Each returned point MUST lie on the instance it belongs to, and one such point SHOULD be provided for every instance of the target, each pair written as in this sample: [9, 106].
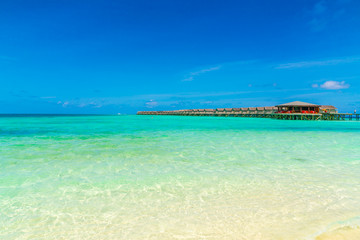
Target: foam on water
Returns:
[163, 177]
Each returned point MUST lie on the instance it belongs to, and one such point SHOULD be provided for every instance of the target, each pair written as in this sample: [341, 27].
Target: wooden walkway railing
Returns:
[282, 116]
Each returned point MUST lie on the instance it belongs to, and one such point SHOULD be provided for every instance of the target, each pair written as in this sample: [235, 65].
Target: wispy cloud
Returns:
[266, 85]
[332, 85]
[201, 95]
[318, 63]
[319, 8]
[188, 79]
[324, 12]
[319, 18]
[151, 104]
[160, 100]
[192, 75]
[48, 97]
[81, 103]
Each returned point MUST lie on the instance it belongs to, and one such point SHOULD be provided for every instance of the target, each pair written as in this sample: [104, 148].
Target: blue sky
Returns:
[125, 56]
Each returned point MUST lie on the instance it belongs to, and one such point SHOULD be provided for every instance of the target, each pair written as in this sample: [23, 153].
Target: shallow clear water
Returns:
[167, 177]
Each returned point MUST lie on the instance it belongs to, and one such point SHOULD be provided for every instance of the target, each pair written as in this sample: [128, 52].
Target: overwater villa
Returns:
[303, 107]
[298, 107]
[328, 109]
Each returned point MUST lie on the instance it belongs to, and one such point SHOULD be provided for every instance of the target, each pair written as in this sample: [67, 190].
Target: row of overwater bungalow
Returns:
[215, 112]
[288, 111]
[287, 108]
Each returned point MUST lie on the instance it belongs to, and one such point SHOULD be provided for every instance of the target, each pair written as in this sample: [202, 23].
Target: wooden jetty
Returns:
[288, 111]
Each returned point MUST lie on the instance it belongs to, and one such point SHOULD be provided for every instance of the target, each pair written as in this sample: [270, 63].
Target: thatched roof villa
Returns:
[298, 107]
[328, 109]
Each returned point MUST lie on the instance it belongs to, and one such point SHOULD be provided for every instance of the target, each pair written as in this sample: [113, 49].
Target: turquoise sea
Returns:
[174, 177]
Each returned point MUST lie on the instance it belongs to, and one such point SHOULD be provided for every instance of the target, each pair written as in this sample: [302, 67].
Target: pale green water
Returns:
[163, 177]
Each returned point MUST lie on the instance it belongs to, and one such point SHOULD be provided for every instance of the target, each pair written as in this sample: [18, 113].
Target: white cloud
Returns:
[65, 104]
[318, 63]
[206, 70]
[165, 99]
[197, 73]
[192, 75]
[50, 97]
[332, 85]
[315, 85]
[189, 79]
[82, 103]
[151, 104]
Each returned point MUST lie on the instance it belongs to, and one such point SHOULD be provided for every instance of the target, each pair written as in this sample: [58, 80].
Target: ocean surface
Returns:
[174, 177]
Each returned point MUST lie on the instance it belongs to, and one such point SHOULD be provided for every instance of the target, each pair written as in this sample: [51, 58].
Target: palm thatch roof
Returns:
[297, 104]
[327, 107]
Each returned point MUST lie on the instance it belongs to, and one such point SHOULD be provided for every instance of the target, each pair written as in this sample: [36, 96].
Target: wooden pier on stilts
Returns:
[289, 111]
